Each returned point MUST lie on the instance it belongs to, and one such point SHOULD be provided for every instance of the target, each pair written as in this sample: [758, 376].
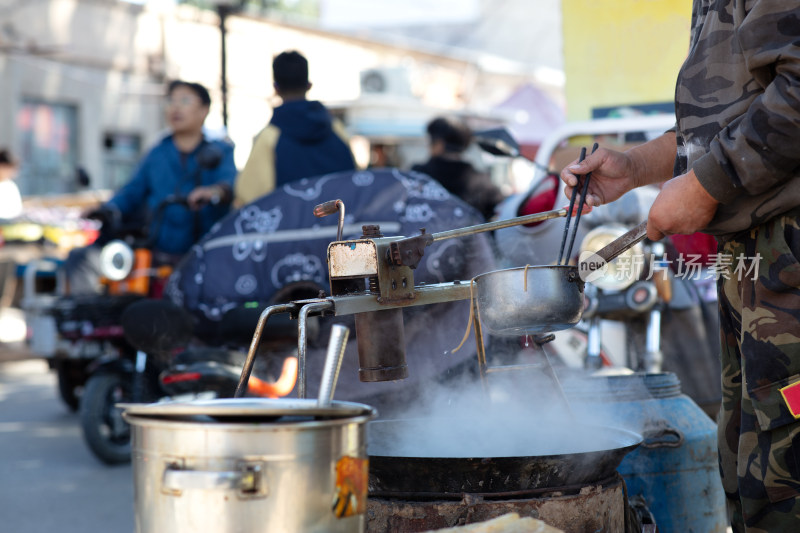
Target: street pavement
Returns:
[49, 480]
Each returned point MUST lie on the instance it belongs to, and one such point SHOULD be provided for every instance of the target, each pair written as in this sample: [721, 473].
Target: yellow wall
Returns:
[622, 52]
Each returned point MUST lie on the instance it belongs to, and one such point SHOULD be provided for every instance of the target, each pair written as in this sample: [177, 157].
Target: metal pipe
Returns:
[223, 12]
[302, 341]
[593, 347]
[500, 224]
[653, 357]
[340, 227]
[247, 369]
[333, 362]
[550, 371]
[328, 208]
[381, 345]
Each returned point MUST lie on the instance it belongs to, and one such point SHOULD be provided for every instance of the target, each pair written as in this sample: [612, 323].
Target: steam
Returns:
[519, 414]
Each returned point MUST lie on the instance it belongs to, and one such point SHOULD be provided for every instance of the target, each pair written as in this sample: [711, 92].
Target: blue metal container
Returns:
[675, 469]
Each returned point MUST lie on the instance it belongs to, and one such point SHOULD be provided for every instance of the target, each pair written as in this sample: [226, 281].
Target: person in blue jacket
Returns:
[300, 141]
[184, 164]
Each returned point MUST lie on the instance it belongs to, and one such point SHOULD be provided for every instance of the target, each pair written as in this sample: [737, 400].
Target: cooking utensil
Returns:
[581, 205]
[247, 473]
[569, 215]
[261, 464]
[409, 251]
[531, 300]
[253, 409]
[333, 362]
[623, 242]
[561, 458]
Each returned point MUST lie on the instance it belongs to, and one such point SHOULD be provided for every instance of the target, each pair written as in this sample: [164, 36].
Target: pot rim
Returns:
[248, 410]
[255, 425]
[630, 440]
[529, 267]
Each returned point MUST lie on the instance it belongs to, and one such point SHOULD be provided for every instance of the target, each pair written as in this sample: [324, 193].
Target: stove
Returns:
[595, 507]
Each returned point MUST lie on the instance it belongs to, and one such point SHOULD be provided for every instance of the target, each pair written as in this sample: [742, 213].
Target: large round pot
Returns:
[249, 465]
[450, 457]
[529, 300]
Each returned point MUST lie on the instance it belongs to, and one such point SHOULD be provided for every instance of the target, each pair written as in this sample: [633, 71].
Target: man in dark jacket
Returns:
[449, 138]
[300, 141]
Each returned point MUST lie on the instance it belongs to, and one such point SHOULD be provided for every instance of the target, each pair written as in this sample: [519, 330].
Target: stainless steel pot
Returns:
[527, 301]
[249, 465]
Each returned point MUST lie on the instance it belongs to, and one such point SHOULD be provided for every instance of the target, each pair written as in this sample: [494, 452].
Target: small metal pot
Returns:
[529, 300]
[541, 299]
[250, 465]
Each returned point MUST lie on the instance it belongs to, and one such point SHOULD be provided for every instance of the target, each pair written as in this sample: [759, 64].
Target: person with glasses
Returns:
[184, 164]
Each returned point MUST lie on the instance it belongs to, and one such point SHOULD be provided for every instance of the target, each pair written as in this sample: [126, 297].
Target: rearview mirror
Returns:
[497, 141]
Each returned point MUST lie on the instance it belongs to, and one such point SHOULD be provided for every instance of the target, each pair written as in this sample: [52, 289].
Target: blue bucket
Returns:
[675, 470]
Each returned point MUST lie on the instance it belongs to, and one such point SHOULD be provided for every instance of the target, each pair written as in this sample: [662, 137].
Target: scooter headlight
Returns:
[116, 260]
[622, 271]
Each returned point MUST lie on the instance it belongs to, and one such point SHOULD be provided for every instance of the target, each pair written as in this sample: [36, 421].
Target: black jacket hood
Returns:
[307, 121]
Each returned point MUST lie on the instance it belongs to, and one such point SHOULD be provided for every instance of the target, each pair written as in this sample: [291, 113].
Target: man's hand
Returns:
[202, 196]
[683, 206]
[104, 213]
[613, 174]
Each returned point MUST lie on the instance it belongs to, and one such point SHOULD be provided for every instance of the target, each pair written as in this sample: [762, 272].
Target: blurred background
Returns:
[83, 80]
[81, 101]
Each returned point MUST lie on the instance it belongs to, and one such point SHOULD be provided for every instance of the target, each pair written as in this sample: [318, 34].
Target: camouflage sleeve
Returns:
[757, 150]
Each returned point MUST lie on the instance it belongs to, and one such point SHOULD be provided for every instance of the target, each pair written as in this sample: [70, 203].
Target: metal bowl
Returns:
[550, 300]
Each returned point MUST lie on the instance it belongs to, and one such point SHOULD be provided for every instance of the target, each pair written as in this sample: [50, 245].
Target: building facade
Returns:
[83, 82]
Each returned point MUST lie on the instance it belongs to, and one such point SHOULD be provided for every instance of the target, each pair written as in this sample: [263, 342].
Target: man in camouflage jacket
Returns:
[735, 158]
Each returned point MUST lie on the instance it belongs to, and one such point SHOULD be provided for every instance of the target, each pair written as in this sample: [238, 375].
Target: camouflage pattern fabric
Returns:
[759, 438]
[737, 109]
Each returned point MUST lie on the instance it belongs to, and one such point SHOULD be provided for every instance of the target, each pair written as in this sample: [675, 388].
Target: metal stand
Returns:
[485, 369]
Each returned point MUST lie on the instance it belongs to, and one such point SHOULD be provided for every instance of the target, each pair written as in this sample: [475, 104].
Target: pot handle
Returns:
[663, 437]
[248, 480]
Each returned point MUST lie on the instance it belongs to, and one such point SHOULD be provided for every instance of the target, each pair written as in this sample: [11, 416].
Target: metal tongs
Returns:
[562, 258]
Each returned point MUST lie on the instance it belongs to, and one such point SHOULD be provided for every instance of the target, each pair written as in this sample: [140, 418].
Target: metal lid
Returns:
[253, 409]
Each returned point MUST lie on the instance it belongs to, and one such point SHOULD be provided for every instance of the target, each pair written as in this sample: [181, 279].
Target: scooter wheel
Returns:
[104, 430]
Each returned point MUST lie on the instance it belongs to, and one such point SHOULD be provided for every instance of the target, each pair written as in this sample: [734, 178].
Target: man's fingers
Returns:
[195, 200]
[591, 162]
[653, 233]
[569, 178]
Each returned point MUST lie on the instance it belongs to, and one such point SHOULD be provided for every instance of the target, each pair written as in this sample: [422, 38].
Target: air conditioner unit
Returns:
[386, 81]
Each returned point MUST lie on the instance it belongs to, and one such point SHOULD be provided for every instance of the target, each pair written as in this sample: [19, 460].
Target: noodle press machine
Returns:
[372, 277]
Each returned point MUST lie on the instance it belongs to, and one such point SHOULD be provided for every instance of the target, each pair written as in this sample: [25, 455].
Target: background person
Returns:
[735, 161]
[300, 141]
[448, 139]
[10, 208]
[10, 198]
[176, 166]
